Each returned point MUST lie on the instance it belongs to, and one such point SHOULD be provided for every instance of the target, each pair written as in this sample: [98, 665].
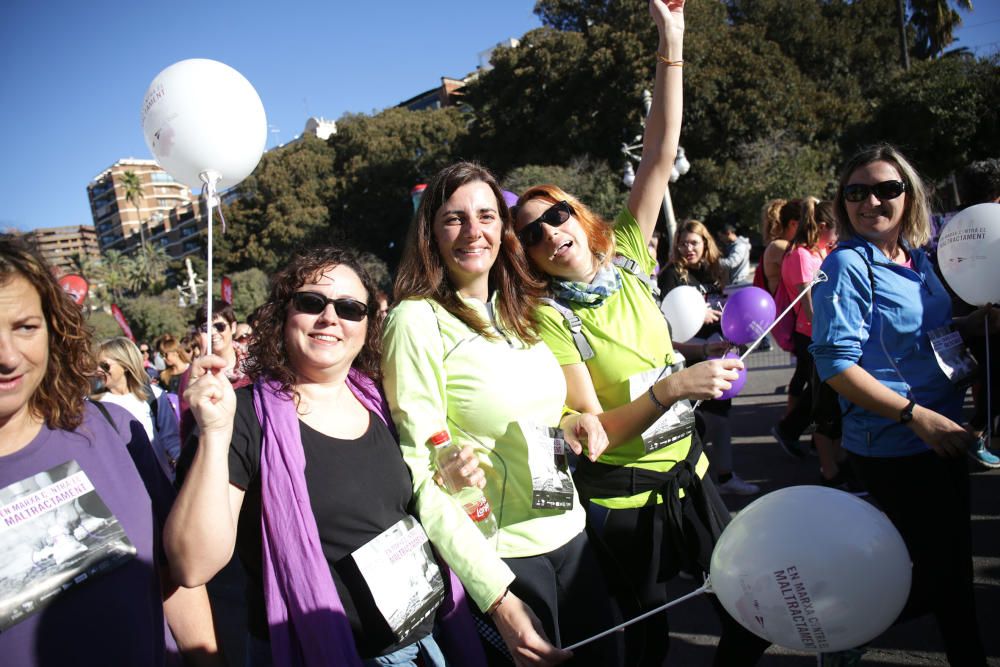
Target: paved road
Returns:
[759, 459]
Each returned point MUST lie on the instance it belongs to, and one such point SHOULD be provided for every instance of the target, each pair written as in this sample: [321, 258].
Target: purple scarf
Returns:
[307, 622]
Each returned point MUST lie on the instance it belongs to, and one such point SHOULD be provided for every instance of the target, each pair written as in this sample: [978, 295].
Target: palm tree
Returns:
[134, 194]
[149, 267]
[934, 22]
[116, 273]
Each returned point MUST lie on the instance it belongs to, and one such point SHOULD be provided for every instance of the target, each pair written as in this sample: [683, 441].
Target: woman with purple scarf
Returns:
[301, 473]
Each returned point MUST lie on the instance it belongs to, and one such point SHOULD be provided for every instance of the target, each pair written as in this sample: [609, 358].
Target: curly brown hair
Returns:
[422, 273]
[58, 400]
[267, 356]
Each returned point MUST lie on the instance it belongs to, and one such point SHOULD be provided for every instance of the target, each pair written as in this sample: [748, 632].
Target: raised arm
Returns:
[663, 125]
[201, 530]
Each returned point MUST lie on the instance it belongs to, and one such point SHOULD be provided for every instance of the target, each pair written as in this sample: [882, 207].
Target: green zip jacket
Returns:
[439, 374]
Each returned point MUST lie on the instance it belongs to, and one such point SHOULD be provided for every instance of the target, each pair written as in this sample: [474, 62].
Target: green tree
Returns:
[103, 325]
[149, 269]
[377, 160]
[943, 113]
[591, 182]
[117, 274]
[151, 316]
[132, 186]
[934, 22]
[282, 206]
[250, 290]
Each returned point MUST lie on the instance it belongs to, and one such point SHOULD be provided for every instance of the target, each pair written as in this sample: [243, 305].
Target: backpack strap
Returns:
[107, 415]
[575, 326]
[632, 266]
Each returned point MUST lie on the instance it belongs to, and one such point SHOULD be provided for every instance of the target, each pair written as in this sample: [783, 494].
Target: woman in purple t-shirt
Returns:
[82, 499]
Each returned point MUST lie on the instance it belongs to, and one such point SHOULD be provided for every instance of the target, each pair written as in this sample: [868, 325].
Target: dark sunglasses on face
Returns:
[554, 216]
[314, 303]
[886, 190]
[218, 326]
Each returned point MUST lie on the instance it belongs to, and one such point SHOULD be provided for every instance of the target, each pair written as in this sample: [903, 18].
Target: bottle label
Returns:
[479, 510]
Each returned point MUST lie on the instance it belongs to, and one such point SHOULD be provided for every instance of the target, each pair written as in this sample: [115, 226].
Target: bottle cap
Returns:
[439, 438]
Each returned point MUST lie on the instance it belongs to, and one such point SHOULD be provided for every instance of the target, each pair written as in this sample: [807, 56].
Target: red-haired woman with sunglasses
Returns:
[301, 473]
[876, 324]
[646, 491]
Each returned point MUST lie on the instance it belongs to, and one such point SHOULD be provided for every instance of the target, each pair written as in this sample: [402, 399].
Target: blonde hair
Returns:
[915, 226]
[124, 352]
[770, 220]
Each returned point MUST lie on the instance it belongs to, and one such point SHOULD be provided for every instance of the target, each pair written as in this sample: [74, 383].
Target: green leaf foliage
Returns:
[152, 316]
[102, 325]
[592, 183]
[377, 161]
[283, 205]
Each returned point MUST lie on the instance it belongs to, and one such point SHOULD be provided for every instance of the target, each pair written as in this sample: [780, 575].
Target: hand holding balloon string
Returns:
[732, 391]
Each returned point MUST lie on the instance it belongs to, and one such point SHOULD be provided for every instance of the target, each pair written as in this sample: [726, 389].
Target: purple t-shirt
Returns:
[114, 618]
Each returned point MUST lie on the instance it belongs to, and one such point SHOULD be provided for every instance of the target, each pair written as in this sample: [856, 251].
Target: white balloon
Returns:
[201, 115]
[969, 254]
[811, 568]
[685, 309]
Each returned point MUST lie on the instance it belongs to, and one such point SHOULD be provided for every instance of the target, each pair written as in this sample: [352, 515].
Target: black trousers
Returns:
[567, 591]
[634, 539]
[927, 498]
[799, 417]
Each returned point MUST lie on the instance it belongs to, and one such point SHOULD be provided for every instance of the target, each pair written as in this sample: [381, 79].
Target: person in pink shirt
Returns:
[814, 238]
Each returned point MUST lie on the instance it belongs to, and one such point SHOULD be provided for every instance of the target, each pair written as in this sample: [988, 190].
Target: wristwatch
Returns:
[906, 414]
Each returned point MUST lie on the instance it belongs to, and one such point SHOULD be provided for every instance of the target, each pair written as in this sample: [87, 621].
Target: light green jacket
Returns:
[439, 374]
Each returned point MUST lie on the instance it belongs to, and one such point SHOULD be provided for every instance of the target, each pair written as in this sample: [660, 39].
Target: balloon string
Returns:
[989, 375]
[820, 277]
[704, 589]
[210, 179]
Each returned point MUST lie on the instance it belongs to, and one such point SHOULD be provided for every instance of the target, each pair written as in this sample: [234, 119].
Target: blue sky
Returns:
[72, 74]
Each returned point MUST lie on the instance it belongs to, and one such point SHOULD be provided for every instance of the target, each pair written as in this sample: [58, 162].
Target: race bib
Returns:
[673, 425]
[399, 570]
[952, 356]
[56, 533]
[551, 482]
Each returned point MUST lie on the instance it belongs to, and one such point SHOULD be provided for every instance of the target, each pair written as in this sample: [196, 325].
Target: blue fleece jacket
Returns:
[890, 342]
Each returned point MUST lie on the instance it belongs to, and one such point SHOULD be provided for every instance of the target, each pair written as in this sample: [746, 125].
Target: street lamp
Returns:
[681, 166]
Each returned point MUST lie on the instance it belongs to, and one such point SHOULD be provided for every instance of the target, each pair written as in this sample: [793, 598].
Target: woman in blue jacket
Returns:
[874, 325]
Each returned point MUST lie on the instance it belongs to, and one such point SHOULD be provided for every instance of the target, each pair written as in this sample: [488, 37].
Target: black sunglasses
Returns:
[314, 303]
[218, 326]
[554, 216]
[886, 190]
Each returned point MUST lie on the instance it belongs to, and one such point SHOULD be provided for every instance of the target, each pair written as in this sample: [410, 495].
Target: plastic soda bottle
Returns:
[471, 498]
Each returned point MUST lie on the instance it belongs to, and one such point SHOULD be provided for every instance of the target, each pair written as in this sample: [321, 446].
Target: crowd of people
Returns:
[303, 439]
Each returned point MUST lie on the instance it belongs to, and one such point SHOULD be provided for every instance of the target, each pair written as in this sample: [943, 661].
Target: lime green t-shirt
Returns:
[628, 335]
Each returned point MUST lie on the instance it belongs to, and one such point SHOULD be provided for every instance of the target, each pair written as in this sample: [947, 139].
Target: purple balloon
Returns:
[737, 384]
[509, 197]
[747, 315]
